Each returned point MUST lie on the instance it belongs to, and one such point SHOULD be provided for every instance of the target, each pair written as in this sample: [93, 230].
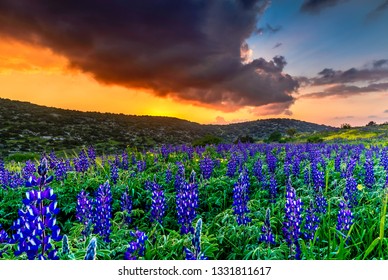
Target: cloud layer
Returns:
[379, 10]
[315, 6]
[189, 50]
[374, 77]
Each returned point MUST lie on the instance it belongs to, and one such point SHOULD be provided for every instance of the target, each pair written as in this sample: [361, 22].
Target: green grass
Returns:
[222, 237]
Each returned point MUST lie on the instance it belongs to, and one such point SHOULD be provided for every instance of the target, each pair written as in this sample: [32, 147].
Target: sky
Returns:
[219, 61]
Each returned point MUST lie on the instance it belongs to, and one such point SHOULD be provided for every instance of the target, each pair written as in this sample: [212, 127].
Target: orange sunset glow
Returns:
[40, 69]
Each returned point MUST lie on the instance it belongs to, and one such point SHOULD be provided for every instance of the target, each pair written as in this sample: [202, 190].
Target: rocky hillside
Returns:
[25, 127]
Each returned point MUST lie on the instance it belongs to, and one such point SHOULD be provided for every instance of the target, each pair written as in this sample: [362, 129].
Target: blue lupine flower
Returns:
[318, 177]
[312, 223]
[117, 161]
[92, 156]
[179, 176]
[81, 163]
[136, 248]
[52, 159]
[141, 165]
[28, 170]
[126, 206]
[65, 245]
[384, 159]
[124, 161]
[349, 168]
[158, 206]
[320, 202]
[61, 169]
[195, 253]
[273, 186]
[4, 175]
[337, 163]
[36, 225]
[4, 238]
[296, 166]
[350, 193]
[103, 211]
[91, 250]
[168, 175]
[187, 204]
[292, 221]
[345, 218]
[232, 166]
[206, 165]
[165, 151]
[133, 159]
[306, 176]
[369, 173]
[386, 180]
[16, 180]
[267, 236]
[271, 162]
[114, 173]
[258, 172]
[84, 211]
[241, 198]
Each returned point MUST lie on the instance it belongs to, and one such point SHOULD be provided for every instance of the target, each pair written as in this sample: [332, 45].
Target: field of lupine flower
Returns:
[243, 201]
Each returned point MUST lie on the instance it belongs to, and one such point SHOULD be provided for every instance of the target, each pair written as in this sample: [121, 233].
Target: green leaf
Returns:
[382, 220]
[371, 247]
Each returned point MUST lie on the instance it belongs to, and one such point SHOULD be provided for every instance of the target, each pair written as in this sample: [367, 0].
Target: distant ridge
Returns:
[28, 127]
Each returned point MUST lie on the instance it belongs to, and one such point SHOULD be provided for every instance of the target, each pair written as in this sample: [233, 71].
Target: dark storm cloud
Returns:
[344, 117]
[380, 63]
[386, 111]
[277, 45]
[268, 29]
[378, 70]
[315, 6]
[347, 90]
[378, 10]
[189, 50]
[273, 109]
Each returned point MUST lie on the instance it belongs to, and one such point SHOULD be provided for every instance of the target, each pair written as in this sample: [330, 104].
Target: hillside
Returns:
[26, 127]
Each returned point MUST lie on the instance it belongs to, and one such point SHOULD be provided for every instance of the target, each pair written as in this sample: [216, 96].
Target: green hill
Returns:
[25, 127]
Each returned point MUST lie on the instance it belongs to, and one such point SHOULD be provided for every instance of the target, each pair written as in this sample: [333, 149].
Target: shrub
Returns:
[207, 140]
[314, 139]
[275, 136]
[291, 132]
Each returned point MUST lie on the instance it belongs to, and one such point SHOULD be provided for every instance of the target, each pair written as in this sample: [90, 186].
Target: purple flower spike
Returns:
[241, 198]
[267, 236]
[187, 204]
[136, 248]
[36, 225]
[292, 221]
[345, 218]
[196, 253]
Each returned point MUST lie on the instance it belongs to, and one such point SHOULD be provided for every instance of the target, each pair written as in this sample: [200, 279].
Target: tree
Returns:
[314, 139]
[371, 123]
[207, 140]
[291, 131]
[346, 126]
[244, 139]
[275, 136]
